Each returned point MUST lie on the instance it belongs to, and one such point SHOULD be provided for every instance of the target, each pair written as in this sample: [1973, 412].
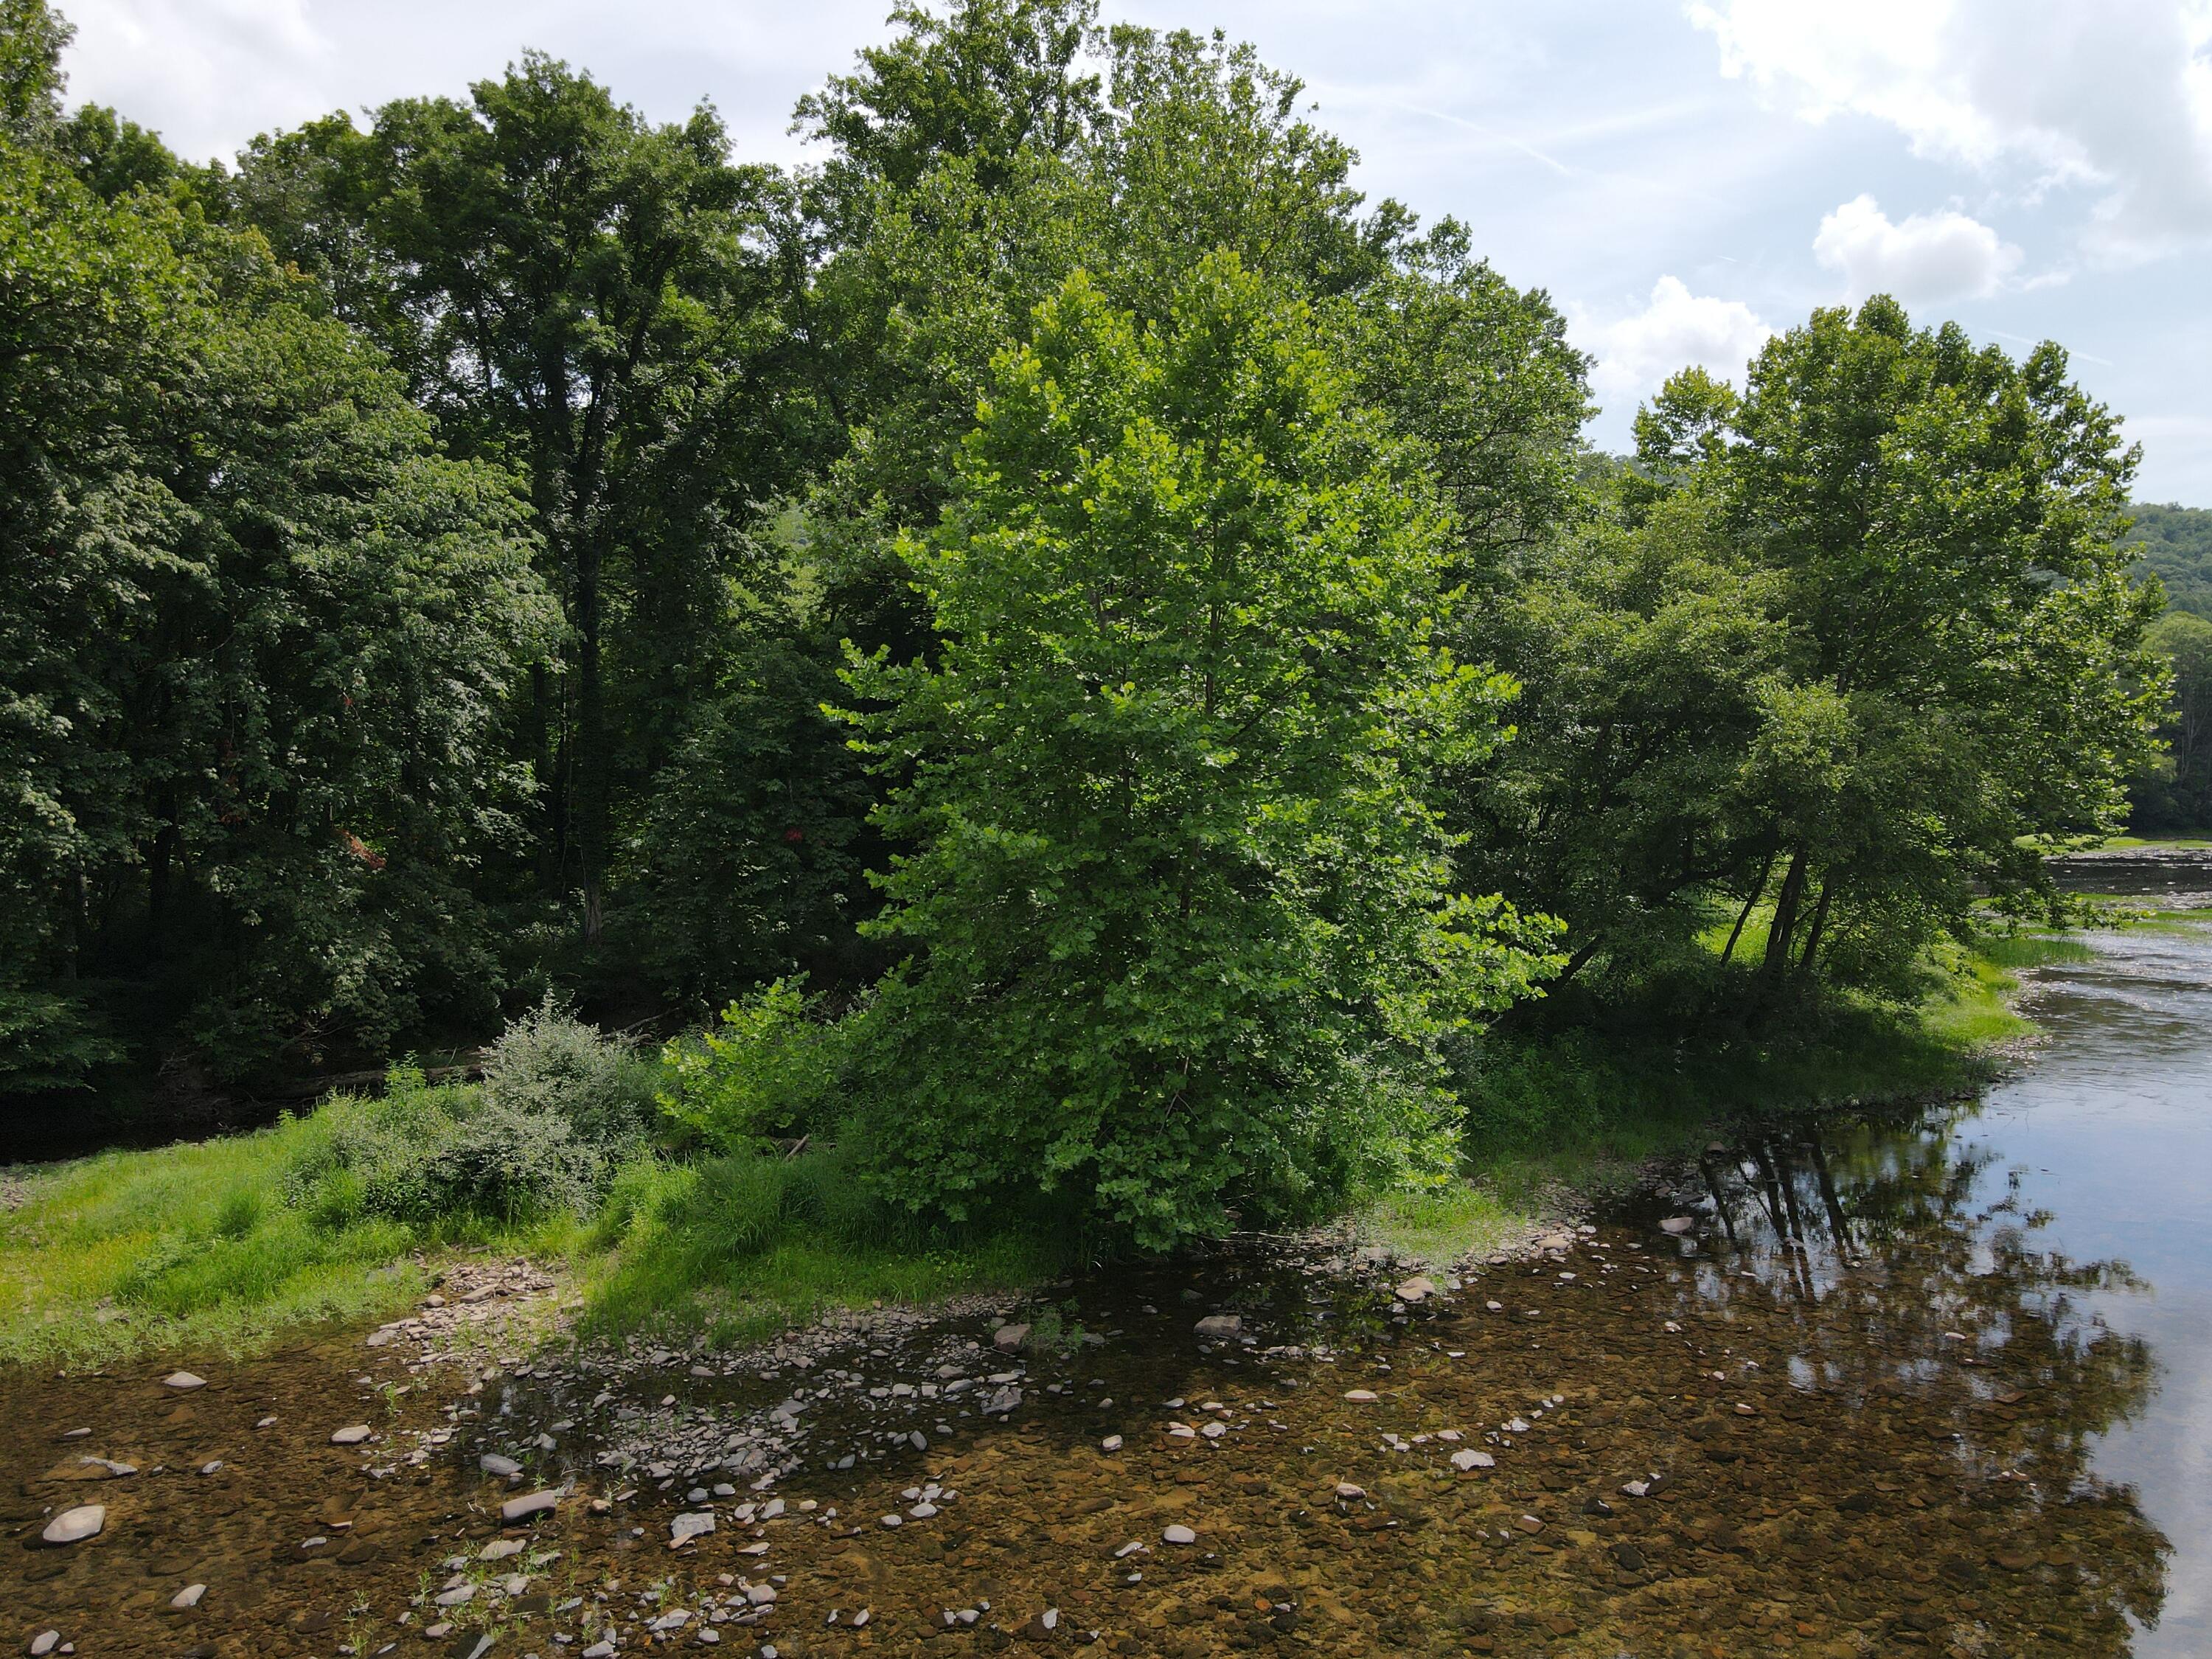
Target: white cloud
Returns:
[2117, 94]
[1676, 329]
[1932, 256]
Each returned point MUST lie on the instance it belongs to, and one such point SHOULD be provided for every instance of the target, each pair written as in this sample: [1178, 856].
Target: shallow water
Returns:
[1933, 1382]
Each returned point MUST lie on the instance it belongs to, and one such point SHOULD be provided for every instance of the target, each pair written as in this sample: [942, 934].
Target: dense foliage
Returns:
[1104, 652]
[2174, 544]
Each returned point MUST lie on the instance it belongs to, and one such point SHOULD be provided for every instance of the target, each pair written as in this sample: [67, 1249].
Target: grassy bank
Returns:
[224, 1245]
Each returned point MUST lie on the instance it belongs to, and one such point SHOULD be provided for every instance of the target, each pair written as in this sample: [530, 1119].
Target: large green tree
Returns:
[1966, 668]
[1182, 926]
[255, 635]
[598, 302]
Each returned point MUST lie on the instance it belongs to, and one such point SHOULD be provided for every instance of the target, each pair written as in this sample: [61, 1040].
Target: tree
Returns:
[2177, 794]
[1966, 668]
[32, 37]
[596, 301]
[255, 635]
[1180, 929]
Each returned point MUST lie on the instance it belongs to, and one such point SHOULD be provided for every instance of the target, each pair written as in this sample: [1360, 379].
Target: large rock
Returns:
[527, 1507]
[505, 1467]
[352, 1435]
[1220, 1328]
[685, 1528]
[1008, 1338]
[74, 1525]
[1420, 1288]
[183, 1381]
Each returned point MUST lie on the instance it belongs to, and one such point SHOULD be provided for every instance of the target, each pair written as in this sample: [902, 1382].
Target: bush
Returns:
[772, 1069]
[549, 1063]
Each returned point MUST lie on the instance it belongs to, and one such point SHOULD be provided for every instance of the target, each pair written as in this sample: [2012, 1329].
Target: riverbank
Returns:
[226, 1246]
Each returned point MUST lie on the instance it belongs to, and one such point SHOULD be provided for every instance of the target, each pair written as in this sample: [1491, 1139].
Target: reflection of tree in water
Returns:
[1897, 1263]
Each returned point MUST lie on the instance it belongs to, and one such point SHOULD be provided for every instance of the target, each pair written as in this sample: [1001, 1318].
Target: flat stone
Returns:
[1112, 1442]
[183, 1381]
[1362, 1396]
[505, 1467]
[499, 1548]
[1179, 1534]
[528, 1506]
[1221, 1327]
[352, 1435]
[44, 1643]
[1470, 1459]
[685, 1528]
[1420, 1288]
[74, 1525]
[1008, 1338]
[1677, 1225]
[188, 1598]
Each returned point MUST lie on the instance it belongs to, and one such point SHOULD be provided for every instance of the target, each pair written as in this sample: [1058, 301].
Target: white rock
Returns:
[1677, 1225]
[45, 1643]
[599, 1651]
[685, 1528]
[493, 1463]
[1112, 1442]
[1221, 1327]
[1008, 1338]
[1470, 1459]
[761, 1596]
[183, 1381]
[1362, 1396]
[352, 1435]
[456, 1596]
[74, 1525]
[1637, 1488]
[1179, 1534]
[188, 1597]
[1420, 1288]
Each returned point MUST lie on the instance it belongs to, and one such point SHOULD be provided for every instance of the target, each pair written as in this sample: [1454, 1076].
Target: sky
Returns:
[1683, 179]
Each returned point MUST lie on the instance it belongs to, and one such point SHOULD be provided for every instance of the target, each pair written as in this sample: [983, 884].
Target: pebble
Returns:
[1470, 1459]
[352, 1435]
[183, 1381]
[1677, 1225]
[74, 1525]
[1179, 1534]
[1008, 1338]
[499, 1548]
[1420, 1288]
[188, 1597]
[1362, 1396]
[1112, 1442]
[1220, 1327]
[504, 1467]
[45, 1643]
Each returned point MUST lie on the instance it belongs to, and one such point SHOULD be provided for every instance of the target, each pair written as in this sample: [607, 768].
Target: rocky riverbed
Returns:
[1651, 1436]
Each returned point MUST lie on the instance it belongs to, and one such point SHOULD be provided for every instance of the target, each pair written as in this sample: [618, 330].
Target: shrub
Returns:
[426, 1155]
[549, 1062]
[772, 1069]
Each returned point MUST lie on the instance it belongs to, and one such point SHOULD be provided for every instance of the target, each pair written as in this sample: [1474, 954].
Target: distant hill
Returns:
[2176, 542]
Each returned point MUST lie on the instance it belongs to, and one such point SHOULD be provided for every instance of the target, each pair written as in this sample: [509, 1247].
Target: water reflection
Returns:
[1912, 1281]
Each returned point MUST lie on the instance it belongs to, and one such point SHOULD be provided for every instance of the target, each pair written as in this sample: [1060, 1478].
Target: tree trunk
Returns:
[1758, 892]
[590, 756]
[1775, 965]
[1812, 933]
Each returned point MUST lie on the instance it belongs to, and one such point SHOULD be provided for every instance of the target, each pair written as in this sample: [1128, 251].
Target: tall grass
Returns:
[737, 1247]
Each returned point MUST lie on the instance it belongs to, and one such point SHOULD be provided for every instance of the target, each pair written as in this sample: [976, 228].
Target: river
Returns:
[1938, 1380]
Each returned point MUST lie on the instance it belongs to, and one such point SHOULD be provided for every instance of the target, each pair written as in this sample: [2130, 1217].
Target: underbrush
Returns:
[224, 1244]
